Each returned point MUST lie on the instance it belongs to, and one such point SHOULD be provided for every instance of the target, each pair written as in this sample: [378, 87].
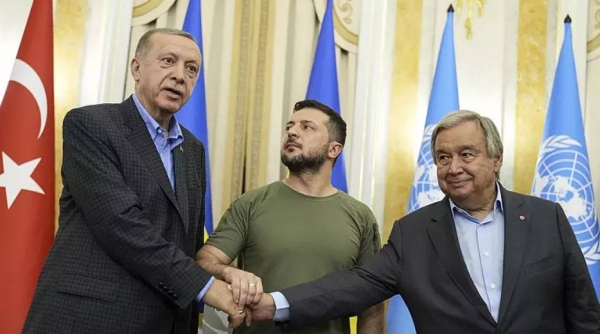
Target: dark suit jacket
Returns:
[546, 284]
[123, 257]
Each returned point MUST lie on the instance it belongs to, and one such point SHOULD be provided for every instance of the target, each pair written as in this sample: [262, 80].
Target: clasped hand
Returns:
[241, 297]
[246, 287]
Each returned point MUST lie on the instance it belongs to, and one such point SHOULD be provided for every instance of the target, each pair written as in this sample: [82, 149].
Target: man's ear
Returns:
[335, 149]
[135, 69]
[498, 163]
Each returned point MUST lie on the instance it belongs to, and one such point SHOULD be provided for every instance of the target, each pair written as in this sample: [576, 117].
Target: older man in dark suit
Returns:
[132, 209]
[482, 260]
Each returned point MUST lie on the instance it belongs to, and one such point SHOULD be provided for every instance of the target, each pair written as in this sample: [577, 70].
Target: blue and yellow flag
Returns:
[193, 114]
[425, 189]
[323, 85]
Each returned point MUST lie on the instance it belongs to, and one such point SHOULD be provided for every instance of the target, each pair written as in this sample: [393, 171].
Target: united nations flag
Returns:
[563, 172]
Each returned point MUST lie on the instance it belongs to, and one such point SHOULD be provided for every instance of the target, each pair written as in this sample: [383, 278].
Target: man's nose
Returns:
[291, 132]
[455, 166]
[178, 73]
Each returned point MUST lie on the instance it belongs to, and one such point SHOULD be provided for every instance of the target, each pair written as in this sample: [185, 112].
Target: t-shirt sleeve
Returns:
[231, 234]
[371, 239]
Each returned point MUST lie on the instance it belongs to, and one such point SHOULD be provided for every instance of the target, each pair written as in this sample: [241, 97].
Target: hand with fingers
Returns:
[246, 287]
[263, 310]
[219, 296]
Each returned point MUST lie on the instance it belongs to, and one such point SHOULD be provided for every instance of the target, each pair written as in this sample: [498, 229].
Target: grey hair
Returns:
[145, 44]
[493, 141]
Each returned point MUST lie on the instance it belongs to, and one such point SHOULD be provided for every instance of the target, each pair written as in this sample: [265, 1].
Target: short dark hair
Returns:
[145, 44]
[336, 126]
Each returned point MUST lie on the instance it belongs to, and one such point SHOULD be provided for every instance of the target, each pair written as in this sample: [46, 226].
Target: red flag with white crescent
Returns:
[26, 169]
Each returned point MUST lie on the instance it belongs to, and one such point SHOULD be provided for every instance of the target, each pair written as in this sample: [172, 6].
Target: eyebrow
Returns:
[460, 149]
[176, 56]
[467, 147]
[168, 53]
[303, 121]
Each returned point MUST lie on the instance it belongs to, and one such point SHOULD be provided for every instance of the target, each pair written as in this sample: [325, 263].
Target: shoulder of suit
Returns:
[531, 200]
[95, 113]
[424, 214]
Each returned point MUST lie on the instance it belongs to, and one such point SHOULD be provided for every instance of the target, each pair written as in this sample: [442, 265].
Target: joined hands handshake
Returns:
[240, 295]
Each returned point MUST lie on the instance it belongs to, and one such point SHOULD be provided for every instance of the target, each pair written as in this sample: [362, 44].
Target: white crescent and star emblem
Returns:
[24, 74]
[17, 177]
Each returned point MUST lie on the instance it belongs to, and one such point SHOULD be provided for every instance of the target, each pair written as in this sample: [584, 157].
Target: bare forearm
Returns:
[212, 264]
[246, 287]
[371, 320]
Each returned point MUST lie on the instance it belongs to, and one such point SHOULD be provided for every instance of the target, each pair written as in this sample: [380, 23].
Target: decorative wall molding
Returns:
[469, 4]
[146, 11]
[346, 21]
[593, 43]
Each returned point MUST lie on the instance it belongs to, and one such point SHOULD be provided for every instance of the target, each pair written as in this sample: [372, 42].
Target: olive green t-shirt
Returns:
[287, 238]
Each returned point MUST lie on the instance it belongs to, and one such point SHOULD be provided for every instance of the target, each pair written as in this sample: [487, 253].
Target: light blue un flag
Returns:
[425, 189]
[323, 85]
[563, 172]
[193, 114]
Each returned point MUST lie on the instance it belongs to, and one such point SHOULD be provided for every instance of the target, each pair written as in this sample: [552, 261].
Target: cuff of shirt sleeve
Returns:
[282, 307]
[205, 289]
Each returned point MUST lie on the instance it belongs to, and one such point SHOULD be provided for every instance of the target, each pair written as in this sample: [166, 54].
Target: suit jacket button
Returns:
[161, 284]
[175, 297]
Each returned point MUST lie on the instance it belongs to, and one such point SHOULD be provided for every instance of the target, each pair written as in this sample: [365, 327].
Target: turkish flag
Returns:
[26, 169]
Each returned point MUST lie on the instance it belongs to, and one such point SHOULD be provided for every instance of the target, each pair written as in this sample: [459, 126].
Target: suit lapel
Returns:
[143, 143]
[515, 239]
[179, 165]
[445, 241]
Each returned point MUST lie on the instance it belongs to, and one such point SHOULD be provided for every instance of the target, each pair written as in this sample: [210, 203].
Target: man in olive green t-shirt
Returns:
[296, 230]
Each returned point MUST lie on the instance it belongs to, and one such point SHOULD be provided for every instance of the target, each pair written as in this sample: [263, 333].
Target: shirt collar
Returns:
[497, 204]
[153, 126]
